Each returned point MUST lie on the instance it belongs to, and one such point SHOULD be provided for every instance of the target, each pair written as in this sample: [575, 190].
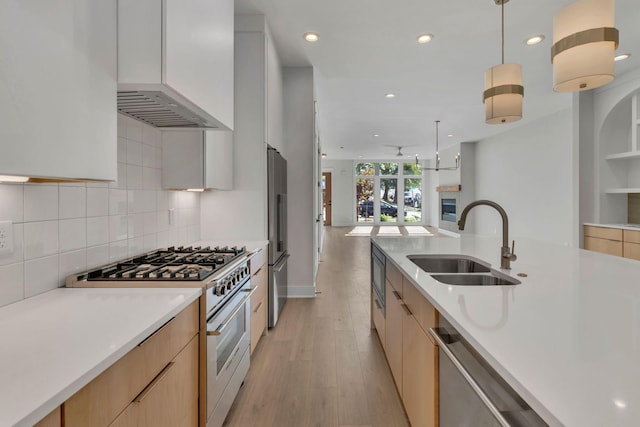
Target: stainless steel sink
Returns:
[475, 279]
[449, 264]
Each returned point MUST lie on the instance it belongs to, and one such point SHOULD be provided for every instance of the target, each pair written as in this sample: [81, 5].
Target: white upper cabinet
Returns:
[178, 49]
[197, 160]
[58, 89]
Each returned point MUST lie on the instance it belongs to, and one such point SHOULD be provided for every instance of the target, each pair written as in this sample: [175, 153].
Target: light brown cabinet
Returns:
[54, 419]
[411, 353]
[259, 299]
[393, 333]
[419, 358]
[612, 241]
[145, 371]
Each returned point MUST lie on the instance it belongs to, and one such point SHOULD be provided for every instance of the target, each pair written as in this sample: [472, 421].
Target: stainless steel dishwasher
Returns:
[471, 393]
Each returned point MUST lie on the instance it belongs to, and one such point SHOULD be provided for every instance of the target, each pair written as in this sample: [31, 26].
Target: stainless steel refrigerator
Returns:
[278, 255]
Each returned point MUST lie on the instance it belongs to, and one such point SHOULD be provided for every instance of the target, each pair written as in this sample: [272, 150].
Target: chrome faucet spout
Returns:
[506, 254]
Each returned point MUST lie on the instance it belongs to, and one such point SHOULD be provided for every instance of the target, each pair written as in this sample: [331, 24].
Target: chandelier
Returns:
[438, 167]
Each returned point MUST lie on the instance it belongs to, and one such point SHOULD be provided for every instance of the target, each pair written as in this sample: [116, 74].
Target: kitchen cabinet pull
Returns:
[257, 271]
[397, 295]
[406, 309]
[377, 304]
[144, 393]
[258, 307]
[470, 380]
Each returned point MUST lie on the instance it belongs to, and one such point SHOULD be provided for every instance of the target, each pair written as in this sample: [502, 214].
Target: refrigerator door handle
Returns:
[281, 263]
[279, 240]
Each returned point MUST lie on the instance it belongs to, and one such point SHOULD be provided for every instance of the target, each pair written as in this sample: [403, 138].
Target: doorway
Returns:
[326, 198]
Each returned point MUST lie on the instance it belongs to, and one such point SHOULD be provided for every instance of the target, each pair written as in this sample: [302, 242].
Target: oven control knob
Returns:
[246, 271]
[228, 284]
[220, 290]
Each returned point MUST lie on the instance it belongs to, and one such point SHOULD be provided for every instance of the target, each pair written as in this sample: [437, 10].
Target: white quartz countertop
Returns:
[633, 227]
[567, 339]
[55, 343]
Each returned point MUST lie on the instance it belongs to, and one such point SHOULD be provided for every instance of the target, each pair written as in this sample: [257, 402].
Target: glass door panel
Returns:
[388, 200]
[364, 200]
[413, 200]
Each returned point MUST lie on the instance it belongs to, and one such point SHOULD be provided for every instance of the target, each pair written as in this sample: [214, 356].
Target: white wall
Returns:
[298, 149]
[60, 229]
[528, 170]
[343, 191]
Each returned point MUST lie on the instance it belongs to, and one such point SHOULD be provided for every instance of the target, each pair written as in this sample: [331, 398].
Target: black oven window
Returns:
[448, 210]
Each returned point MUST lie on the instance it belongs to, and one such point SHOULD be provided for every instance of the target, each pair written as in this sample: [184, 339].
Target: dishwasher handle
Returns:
[472, 383]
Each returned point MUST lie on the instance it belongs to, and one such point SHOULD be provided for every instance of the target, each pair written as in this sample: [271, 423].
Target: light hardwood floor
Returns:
[322, 365]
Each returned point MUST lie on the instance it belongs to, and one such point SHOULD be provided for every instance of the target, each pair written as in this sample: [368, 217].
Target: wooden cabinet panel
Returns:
[394, 276]
[393, 334]
[100, 401]
[258, 303]
[604, 246]
[631, 250]
[419, 370]
[171, 399]
[378, 321]
[631, 236]
[258, 261]
[423, 311]
[603, 232]
[54, 419]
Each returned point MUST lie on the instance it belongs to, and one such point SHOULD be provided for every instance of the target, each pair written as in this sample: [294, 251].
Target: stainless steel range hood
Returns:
[156, 108]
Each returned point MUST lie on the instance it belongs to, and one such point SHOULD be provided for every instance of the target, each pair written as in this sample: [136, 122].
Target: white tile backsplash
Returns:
[12, 283]
[97, 202]
[73, 234]
[40, 239]
[12, 202]
[97, 231]
[40, 202]
[60, 229]
[72, 202]
[41, 275]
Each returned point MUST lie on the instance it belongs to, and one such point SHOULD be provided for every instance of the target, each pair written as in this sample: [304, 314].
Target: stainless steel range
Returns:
[224, 275]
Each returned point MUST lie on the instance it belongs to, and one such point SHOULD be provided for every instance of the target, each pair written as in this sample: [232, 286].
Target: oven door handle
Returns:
[231, 315]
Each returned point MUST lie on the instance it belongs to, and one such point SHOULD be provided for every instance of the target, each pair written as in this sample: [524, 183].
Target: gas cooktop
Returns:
[171, 264]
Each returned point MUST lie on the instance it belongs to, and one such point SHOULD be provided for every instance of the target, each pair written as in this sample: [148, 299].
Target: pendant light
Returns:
[438, 168]
[584, 44]
[503, 88]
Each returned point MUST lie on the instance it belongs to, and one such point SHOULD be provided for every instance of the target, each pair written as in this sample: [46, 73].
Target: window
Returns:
[385, 189]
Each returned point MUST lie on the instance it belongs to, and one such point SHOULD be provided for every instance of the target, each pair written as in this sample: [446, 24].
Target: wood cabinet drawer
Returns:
[54, 419]
[394, 276]
[631, 250]
[422, 310]
[378, 321]
[631, 236]
[100, 401]
[258, 323]
[259, 281]
[605, 246]
[603, 232]
[258, 261]
[171, 398]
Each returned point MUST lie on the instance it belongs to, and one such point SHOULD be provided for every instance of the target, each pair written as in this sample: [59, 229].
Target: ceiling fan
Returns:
[399, 147]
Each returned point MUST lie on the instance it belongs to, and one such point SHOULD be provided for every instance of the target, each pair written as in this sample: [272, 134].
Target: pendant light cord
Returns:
[503, 31]
[437, 122]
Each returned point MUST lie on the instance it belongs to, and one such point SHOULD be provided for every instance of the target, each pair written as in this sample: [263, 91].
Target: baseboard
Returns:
[301, 291]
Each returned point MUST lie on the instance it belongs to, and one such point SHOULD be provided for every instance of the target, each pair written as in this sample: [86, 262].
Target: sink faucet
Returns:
[506, 255]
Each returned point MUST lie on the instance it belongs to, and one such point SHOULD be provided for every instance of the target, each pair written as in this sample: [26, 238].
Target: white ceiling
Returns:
[368, 48]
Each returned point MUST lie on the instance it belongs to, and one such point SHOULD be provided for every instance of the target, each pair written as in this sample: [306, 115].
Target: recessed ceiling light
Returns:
[311, 37]
[535, 39]
[389, 95]
[622, 57]
[450, 135]
[376, 135]
[425, 38]
[324, 155]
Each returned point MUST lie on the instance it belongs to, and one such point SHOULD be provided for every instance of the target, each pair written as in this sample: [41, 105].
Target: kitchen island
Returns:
[567, 339]
[57, 342]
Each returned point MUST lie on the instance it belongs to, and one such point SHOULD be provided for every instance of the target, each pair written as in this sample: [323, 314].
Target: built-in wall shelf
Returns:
[627, 155]
[622, 190]
[449, 188]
